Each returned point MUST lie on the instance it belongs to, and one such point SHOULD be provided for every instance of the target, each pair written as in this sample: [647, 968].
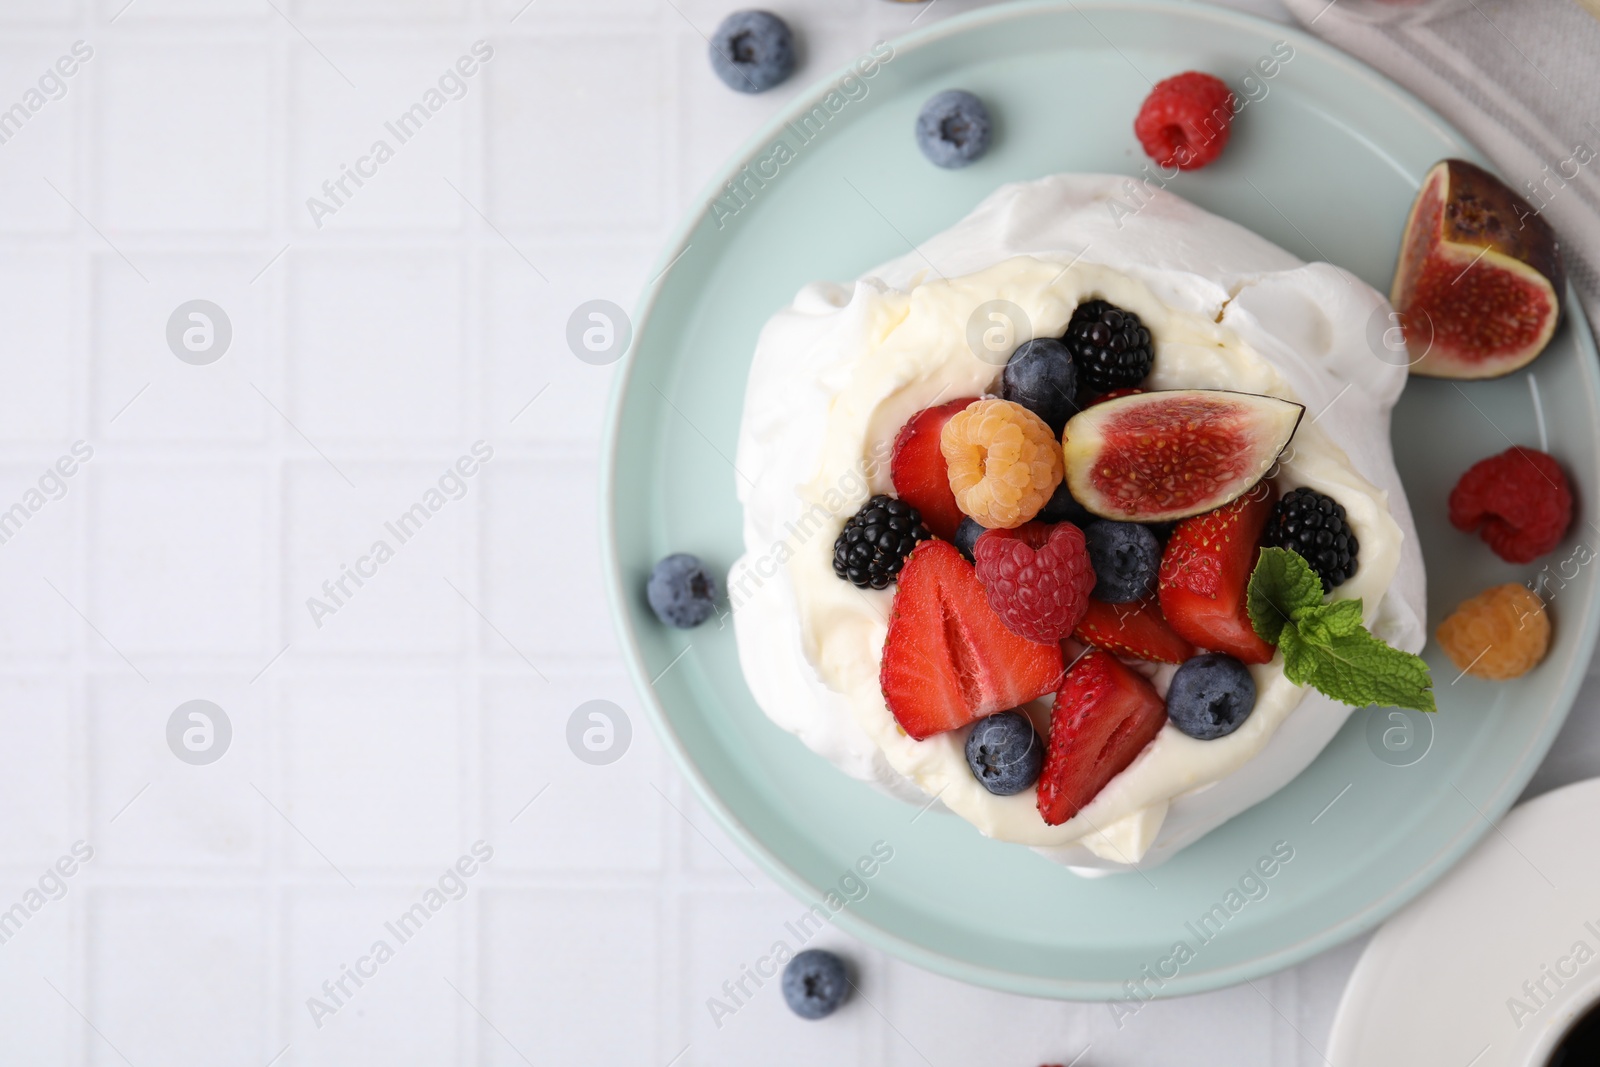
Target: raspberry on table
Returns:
[1003, 461]
[1037, 578]
[1186, 120]
[1519, 502]
[1501, 633]
[875, 542]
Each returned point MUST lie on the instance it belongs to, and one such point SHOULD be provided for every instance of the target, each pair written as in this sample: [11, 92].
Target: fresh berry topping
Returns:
[1105, 714]
[875, 542]
[1211, 696]
[1037, 578]
[1137, 630]
[1005, 753]
[752, 51]
[1185, 121]
[1205, 571]
[1315, 526]
[1126, 558]
[1110, 347]
[1501, 633]
[1040, 376]
[1155, 457]
[681, 591]
[966, 537]
[1518, 501]
[1062, 508]
[815, 983]
[918, 469]
[1004, 462]
[953, 128]
[948, 659]
[1115, 394]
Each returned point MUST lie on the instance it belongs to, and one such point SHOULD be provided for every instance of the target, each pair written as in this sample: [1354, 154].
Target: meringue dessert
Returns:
[1063, 662]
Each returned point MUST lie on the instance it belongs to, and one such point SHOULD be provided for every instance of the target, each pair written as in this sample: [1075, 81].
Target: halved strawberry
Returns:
[1205, 570]
[917, 467]
[948, 659]
[1105, 714]
[1137, 629]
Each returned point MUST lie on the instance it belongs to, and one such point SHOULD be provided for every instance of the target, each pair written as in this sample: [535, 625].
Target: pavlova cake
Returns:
[1079, 522]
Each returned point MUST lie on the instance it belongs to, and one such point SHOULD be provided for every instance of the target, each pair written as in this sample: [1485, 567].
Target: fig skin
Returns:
[1480, 224]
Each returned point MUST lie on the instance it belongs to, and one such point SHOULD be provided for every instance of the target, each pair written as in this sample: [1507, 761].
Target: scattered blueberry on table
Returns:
[815, 984]
[752, 51]
[681, 591]
[953, 128]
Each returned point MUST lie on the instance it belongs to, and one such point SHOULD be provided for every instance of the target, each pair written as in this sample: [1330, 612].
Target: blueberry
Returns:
[967, 535]
[752, 51]
[681, 592]
[815, 983]
[1126, 557]
[1005, 753]
[1210, 696]
[1040, 376]
[1061, 507]
[953, 128]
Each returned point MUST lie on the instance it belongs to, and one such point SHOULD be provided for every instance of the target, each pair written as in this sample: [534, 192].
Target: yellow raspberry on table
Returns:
[1501, 633]
[1003, 460]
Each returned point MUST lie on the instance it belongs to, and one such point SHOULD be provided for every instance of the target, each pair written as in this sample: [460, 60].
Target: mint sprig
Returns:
[1326, 646]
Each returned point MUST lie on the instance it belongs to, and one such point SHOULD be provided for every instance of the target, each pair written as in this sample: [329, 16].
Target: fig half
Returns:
[1480, 281]
[1155, 457]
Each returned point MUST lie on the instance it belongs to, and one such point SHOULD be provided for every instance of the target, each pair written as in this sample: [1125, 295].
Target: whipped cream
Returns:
[837, 374]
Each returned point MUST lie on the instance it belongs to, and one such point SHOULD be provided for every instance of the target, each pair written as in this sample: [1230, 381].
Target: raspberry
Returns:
[1037, 578]
[1185, 121]
[1501, 633]
[1003, 460]
[1518, 501]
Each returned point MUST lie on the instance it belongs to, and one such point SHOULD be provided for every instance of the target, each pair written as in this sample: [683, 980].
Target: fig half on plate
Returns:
[1480, 281]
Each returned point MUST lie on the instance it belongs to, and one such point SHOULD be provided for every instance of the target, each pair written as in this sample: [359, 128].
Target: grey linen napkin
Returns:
[1520, 77]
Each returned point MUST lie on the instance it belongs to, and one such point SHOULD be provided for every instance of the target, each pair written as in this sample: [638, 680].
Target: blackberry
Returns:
[1315, 526]
[1109, 346]
[874, 544]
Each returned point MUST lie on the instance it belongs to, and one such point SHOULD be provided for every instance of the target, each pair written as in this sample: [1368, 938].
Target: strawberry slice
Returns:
[921, 477]
[1205, 570]
[1138, 630]
[948, 659]
[1105, 714]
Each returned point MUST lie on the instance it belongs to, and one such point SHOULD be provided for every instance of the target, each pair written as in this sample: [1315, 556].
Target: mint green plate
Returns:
[1325, 164]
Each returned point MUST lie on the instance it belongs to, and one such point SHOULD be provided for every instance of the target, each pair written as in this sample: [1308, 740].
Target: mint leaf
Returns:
[1354, 667]
[1324, 623]
[1282, 585]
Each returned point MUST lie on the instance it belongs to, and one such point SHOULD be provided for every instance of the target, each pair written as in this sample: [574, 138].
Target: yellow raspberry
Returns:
[1501, 633]
[1003, 460]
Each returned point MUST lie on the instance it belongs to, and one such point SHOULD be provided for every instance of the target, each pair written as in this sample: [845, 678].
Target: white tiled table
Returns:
[428, 709]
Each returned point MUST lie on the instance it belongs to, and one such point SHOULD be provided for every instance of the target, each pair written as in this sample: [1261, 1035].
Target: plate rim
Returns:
[619, 597]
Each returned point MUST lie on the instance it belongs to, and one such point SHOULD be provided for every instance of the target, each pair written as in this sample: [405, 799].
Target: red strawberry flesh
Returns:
[1105, 714]
[1138, 630]
[1206, 570]
[919, 472]
[948, 660]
